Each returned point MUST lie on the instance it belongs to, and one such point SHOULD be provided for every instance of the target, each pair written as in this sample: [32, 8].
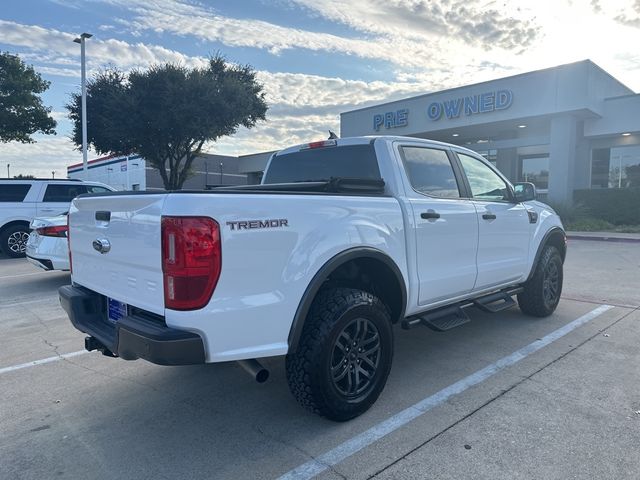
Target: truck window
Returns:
[430, 171]
[349, 161]
[485, 183]
[14, 193]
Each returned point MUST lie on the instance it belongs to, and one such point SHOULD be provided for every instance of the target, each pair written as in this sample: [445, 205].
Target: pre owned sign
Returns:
[453, 108]
[471, 104]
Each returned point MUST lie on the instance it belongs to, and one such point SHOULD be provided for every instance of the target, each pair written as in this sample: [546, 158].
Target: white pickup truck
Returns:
[342, 240]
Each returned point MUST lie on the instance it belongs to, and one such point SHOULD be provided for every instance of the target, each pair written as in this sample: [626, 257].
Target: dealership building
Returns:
[563, 128]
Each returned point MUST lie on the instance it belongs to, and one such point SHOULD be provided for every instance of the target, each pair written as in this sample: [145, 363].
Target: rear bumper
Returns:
[49, 253]
[134, 336]
[43, 263]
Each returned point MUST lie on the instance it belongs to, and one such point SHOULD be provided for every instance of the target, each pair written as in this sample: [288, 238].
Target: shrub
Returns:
[599, 225]
[590, 225]
[569, 213]
[619, 206]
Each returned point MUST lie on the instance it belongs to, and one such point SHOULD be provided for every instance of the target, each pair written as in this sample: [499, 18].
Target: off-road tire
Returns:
[542, 291]
[13, 240]
[312, 370]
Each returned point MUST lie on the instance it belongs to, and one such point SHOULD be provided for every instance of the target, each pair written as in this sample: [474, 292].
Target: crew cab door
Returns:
[504, 227]
[445, 225]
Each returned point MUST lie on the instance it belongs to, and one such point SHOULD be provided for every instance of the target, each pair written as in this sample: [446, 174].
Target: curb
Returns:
[603, 239]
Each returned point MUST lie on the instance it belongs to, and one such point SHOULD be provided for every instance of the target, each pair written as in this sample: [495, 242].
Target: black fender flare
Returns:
[552, 232]
[323, 273]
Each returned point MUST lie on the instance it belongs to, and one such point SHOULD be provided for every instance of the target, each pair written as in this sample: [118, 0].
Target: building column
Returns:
[506, 161]
[562, 159]
[582, 168]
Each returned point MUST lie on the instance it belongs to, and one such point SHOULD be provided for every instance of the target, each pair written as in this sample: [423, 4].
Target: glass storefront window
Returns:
[617, 167]
[600, 167]
[536, 171]
[491, 155]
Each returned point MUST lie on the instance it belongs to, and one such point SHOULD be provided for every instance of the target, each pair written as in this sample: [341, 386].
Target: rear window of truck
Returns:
[321, 164]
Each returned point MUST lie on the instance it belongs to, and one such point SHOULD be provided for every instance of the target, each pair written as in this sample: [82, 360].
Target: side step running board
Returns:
[446, 318]
[496, 302]
[439, 320]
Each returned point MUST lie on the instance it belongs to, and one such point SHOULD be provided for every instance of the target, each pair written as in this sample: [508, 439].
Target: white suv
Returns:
[21, 200]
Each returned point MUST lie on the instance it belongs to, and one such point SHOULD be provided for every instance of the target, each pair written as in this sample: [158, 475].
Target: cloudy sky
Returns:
[316, 58]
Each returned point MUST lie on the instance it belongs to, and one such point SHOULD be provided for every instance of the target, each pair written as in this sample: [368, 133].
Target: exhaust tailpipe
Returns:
[254, 368]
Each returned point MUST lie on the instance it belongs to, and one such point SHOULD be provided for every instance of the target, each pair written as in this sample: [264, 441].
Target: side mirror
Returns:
[524, 191]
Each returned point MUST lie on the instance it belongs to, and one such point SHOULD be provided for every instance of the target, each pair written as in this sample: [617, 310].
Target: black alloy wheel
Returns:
[355, 358]
[550, 284]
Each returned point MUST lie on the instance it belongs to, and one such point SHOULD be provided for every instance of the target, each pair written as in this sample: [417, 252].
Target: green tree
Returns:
[633, 175]
[167, 112]
[21, 110]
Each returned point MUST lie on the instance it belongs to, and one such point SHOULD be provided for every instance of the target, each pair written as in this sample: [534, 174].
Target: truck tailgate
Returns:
[128, 228]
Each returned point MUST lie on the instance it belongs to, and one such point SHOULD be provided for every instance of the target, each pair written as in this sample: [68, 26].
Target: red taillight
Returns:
[55, 231]
[191, 261]
[69, 245]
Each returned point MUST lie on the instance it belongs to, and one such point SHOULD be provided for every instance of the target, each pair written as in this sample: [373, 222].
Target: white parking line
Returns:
[42, 361]
[23, 275]
[336, 455]
[29, 302]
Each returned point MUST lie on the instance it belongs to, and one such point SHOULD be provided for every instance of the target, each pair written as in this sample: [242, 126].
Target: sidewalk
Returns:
[605, 236]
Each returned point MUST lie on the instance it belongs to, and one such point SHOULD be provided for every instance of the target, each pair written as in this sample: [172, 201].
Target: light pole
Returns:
[8, 175]
[81, 40]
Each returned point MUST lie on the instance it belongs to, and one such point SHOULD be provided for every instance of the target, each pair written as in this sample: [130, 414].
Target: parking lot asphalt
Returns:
[566, 409]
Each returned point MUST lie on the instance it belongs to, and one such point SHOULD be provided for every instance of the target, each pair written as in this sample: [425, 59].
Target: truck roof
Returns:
[359, 140]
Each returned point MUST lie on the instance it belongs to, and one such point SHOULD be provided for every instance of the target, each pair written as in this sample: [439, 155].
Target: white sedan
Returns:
[47, 245]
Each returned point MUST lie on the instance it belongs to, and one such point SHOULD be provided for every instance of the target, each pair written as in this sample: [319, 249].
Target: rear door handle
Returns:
[488, 216]
[430, 215]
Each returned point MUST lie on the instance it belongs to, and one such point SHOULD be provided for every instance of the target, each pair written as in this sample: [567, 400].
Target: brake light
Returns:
[69, 245]
[320, 144]
[191, 261]
[55, 231]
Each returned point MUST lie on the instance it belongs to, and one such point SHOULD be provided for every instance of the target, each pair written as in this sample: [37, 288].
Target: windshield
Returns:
[350, 161]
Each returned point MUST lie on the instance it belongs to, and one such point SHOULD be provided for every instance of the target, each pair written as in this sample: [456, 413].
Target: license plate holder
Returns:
[116, 310]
